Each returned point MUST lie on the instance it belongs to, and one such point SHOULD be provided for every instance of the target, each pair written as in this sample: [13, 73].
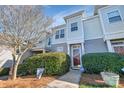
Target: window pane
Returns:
[74, 26]
[114, 16]
[62, 33]
[57, 35]
[114, 13]
[62, 36]
[114, 19]
[49, 42]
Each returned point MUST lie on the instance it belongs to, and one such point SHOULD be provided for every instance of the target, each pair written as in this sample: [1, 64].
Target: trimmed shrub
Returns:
[98, 62]
[4, 71]
[54, 64]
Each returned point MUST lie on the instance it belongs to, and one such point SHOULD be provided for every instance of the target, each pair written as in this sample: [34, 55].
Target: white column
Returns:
[68, 49]
[82, 46]
[110, 48]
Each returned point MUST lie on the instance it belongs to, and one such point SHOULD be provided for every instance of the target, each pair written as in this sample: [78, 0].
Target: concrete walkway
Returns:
[69, 80]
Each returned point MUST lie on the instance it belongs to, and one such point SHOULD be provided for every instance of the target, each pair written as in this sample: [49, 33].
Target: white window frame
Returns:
[57, 34]
[117, 44]
[62, 32]
[49, 40]
[112, 16]
[74, 25]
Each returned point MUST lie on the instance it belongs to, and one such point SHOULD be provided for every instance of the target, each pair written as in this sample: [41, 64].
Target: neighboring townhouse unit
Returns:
[102, 32]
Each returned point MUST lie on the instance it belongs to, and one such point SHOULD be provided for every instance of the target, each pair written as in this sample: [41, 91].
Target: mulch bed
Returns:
[27, 82]
[97, 80]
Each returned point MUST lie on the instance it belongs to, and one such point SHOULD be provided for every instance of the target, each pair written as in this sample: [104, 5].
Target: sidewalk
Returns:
[69, 80]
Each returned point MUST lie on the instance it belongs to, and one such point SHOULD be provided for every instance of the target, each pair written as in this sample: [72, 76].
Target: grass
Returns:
[96, 81]
[95, 86]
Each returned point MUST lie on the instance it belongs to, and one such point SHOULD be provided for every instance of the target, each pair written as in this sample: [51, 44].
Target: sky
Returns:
[57, 12]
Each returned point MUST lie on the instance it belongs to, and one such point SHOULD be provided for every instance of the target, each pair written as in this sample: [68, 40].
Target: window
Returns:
[62, 33]
[118, 46]
[114, 16]
[49, 41]
[57, 35]
[74, 26]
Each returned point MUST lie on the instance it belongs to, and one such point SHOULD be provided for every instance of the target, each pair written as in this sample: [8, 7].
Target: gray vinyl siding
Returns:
[95, 46]
[54, 47]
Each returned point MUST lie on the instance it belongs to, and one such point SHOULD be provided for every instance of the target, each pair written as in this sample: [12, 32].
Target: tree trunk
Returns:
[15, 67]
[14, 73]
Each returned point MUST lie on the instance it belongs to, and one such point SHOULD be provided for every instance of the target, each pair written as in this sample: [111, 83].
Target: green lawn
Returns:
[95, 86]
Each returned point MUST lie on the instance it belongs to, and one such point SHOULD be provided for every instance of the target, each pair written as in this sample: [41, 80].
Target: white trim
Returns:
[102, 23]
[114, 36]
[94, 38]
[90, 17]
[116, 21]
[58, 43]
[118, 32]
[105, 7]
[83, 49]
[118, 45]
[80, 51]
[74, 41]
[68, 49]
[122, 18]
[109, 45]
[82, 25]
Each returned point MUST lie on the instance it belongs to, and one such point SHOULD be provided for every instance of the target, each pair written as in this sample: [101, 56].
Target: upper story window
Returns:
[57, 35]
[62, 33]
[114, 16]
[74, 26]
[49, 41]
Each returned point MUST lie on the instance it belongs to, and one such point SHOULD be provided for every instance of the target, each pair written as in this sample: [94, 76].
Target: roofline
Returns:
[74, 14]
[90, 17]
[59, 26]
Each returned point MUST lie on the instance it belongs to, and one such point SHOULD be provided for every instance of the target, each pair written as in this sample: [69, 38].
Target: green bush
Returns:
[4, 71]
[54, 64]
[98, 62]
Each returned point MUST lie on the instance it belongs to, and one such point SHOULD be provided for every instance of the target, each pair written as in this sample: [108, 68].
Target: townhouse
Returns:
[102, 32]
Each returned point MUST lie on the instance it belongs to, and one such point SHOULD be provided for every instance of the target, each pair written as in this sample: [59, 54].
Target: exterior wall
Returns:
[60, 40]
[54, 47]
[41, 44]
[95, 45]
[26, 55]
[78, 35]
[112, 30]
[92, 28]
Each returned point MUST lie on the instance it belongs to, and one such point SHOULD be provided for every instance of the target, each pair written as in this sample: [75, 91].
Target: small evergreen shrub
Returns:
[54, 64]
[98, 62]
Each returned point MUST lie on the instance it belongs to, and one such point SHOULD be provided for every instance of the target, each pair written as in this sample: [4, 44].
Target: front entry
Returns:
[76, 56]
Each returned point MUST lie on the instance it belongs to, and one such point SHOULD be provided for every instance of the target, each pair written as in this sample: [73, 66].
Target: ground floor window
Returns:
[118, 46]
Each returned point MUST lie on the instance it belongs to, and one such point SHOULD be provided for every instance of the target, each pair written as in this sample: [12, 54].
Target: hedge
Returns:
[98, 62]
[54, 64]
[4, 71]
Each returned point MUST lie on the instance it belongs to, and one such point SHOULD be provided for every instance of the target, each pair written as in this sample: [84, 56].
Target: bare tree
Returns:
[22, 27]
